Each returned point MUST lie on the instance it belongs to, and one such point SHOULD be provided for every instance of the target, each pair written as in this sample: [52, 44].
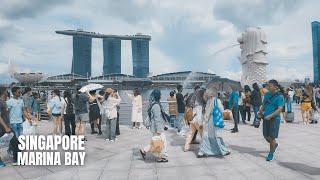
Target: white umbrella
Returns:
[91, 87]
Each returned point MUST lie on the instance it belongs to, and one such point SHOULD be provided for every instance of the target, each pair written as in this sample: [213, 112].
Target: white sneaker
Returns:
[107, 139]
[111, 140]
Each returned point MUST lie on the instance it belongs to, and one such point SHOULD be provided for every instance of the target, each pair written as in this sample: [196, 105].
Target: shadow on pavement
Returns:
[150, 158]
[248, 150]
[304, 168]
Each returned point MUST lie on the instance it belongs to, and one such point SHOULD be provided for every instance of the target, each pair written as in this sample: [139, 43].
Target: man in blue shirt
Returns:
[234, 107]
[272, 107]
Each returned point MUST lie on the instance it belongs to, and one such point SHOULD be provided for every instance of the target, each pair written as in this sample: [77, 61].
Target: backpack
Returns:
[69, 108]
[164, 115]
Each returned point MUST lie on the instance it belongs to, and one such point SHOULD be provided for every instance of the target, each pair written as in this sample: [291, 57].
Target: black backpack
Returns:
[69, 108]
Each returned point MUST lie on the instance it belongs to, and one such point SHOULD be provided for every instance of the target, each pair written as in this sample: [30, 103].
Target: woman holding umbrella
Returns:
[94, 111]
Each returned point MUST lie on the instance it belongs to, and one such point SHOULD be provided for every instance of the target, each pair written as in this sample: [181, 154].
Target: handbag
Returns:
[227, 114]
[5, 140]
[28, 128]
[217, 115]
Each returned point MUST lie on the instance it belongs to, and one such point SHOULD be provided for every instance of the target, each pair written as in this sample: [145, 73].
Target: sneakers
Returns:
[107, 139]
[234, 131]
[2, 164]
[269, 157]
[14, 163]
[143, 154]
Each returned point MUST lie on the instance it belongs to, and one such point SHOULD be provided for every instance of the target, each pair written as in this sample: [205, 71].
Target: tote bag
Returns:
[156, 144]
[217, 115]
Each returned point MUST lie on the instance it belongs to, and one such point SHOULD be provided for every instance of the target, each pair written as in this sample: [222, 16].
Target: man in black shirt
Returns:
[181, 108]
[5, 124]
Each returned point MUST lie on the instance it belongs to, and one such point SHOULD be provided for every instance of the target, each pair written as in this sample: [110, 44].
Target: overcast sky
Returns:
[185, 33]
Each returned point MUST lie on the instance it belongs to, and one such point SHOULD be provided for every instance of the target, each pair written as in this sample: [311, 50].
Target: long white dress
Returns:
[136, 115]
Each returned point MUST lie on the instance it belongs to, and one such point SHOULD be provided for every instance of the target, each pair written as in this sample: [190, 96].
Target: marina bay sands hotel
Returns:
[82, 47]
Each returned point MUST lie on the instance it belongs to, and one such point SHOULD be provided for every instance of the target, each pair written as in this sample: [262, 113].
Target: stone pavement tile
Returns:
[296, 155]
[118, 166]
[140, 164]
[153, 177]
[54, 169]
[283, 172]
[88, 174]
[186, 172]
[69, 174]
[258, 174]
[29, 172]
[9, 173]
[230, 176]
[114, 175]
[177, 161]
[177, 177]
[142, 172]
[98, 165]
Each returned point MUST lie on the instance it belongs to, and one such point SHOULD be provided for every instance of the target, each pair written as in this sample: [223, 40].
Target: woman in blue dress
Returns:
[211, 145]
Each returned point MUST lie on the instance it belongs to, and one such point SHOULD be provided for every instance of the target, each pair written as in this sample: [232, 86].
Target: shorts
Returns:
[82, 117]
[271, 128]
[306, 106]
[56, 115]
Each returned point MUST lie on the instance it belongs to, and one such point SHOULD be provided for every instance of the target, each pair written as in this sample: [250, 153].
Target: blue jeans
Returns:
[289, 105]
[17, 128]
[111, 128]
[255, 111]
[172, 120]
[178, 122]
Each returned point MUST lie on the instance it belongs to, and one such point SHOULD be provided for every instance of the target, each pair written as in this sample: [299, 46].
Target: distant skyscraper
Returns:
[81, 62]
[316, 50]
[82, 44]
[140, 56]
[111, 56]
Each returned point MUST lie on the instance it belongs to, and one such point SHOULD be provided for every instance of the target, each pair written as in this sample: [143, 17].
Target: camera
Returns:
[256, 122]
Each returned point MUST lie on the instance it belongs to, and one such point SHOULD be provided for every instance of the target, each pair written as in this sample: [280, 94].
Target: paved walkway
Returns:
[298, 158]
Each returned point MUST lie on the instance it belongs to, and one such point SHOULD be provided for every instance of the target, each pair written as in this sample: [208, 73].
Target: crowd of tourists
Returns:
[196, 113]
[190, 114]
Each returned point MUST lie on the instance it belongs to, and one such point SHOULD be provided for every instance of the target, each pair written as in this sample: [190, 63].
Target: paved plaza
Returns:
[298, 157]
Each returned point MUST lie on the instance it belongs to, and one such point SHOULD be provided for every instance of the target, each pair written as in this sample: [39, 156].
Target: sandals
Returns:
[161, 160]
[143, 154]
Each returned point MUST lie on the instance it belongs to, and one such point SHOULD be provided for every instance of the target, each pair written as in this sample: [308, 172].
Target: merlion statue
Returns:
[253, 56]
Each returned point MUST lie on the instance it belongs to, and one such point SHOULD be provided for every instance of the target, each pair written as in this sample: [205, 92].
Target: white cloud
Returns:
[160, 63]
[283, 73]
[3, 68]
